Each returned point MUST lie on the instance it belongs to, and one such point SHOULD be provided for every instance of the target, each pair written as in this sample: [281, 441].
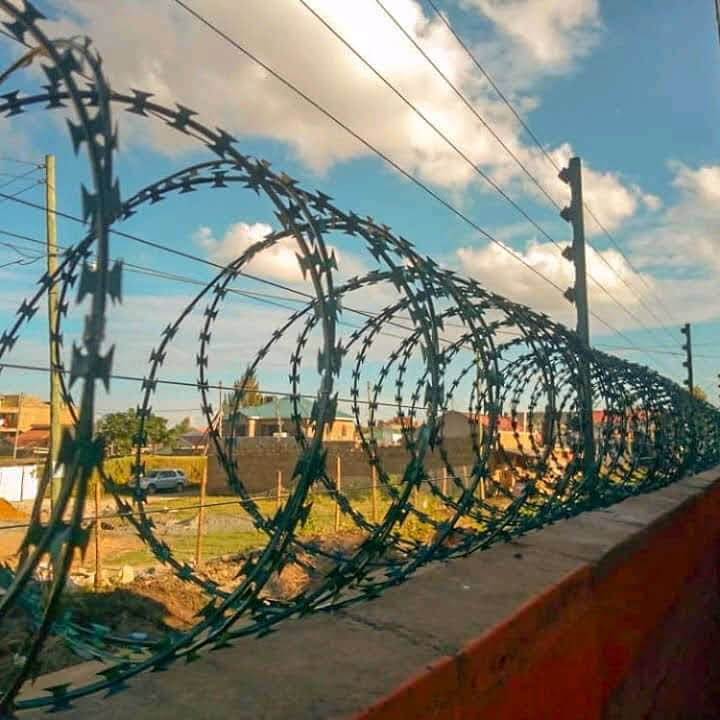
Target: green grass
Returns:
[320, 522]
[183, 547]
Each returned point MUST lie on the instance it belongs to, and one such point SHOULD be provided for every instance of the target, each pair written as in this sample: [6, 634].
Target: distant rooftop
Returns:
[284, 408]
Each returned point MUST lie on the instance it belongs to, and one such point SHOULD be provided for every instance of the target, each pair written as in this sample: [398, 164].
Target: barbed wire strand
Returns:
[474, 166]
[546, 154]
[454, 210]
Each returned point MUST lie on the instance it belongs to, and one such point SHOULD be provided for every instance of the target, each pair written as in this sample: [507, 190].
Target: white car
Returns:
[154, 480]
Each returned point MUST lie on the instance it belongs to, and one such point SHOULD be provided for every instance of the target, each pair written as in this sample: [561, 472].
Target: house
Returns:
[390, 432]
[383, 435]
[35, 441]
[274, 418]
[461, 424]
[22, 413]
[395, 424]
[193, 440]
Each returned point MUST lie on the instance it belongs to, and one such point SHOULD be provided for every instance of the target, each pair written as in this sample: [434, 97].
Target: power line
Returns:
[150, 243]
[194, 384]
[270, 300]
[519, 162]
[219, 266]
[15, 178]
[16, 196]
[544, 151]
[464, 156]
[22, 162]
[468, 105]
[20, 250]
[264, 297]
[380, 154]
[657, 351]
[364, 142]
[427, 121]
[260, 297]
[499, 92]
[20, 261]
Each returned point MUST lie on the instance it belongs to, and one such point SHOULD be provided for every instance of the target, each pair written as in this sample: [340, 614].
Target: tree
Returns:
[178, 430]
[248, 389]
[120, 428]
[699, 393]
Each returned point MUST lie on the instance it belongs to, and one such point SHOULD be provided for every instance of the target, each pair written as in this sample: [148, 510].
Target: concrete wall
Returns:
[610, 615]
[19, 482]
[634, 632]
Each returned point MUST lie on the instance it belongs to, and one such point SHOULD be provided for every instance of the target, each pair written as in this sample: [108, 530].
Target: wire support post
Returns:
[688, 362]
[572, 176]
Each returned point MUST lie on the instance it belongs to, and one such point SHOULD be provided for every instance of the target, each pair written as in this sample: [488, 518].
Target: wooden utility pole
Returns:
[369, 402]
[203, 490]
[572, 175]
[51, 238]
[220, 409]
[17, 425]
[338, 482]
[98, 560]
[201, 514]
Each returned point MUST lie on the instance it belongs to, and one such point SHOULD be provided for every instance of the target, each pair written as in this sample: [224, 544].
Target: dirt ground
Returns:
[155, 601]
[9, 513]
[139, 595]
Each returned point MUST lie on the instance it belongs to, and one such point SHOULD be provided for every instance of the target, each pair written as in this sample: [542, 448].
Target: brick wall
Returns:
[259, 459]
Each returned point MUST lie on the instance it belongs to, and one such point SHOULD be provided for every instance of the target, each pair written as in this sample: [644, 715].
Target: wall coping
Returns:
[485, 614]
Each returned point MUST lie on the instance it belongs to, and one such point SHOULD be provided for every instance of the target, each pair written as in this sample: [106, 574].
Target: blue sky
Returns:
[629, 87]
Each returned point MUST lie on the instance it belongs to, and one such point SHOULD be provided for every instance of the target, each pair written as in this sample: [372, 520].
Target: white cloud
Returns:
[497, 270]
[554, 32]
[678, 257]
[701, 185]
[230, 91]
[611, 200]
[278, 262]
[652, 202]
[686, 236]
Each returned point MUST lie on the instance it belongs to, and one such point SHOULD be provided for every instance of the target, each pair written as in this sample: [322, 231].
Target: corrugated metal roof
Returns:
[284, 408]
[34, 437]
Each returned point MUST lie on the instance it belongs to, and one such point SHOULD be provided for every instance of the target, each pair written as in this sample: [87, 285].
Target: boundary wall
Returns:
[612, 614]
